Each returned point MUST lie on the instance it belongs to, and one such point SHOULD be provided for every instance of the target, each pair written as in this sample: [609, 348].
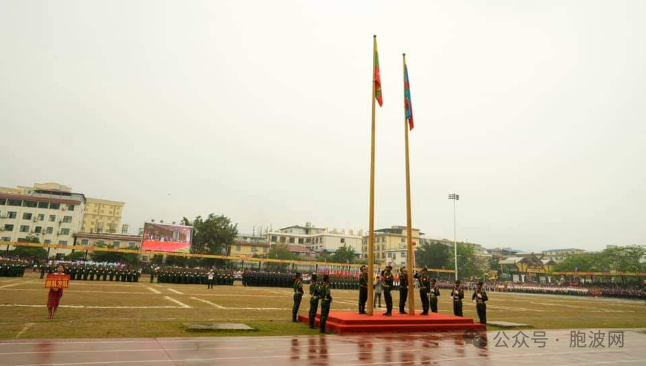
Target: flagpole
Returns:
[371, 219]
[409, 220]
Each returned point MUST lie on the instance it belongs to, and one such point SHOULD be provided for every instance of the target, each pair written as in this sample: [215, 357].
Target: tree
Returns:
[281, 251]
[212, 235]
[468, 264]
[115, 257]
[28, 252]
[77, 255]
[344, 254]
[434, 255]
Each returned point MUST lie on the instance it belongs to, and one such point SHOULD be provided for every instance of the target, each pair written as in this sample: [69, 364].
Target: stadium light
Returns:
[455, 197]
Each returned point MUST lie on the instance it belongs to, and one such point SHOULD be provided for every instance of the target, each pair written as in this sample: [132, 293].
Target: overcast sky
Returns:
[533, 111]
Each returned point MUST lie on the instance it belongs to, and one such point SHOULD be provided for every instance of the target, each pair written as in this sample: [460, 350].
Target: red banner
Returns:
[54, 280]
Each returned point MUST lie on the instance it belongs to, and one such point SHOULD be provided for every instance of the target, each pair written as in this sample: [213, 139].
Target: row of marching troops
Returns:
[12, 268]
[428, 293]
[192, 276]
[267, 279]
[100, 273]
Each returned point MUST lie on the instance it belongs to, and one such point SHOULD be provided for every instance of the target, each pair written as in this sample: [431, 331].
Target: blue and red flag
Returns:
[408, 104]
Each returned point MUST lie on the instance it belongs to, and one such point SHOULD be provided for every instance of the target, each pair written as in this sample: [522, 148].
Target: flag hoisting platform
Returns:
[343, 322]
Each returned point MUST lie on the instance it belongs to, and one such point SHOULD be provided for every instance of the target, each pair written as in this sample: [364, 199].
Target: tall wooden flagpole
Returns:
[371, 219]
[409, 225]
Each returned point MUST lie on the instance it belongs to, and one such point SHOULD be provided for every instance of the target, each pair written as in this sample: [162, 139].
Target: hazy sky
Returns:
[533, 111]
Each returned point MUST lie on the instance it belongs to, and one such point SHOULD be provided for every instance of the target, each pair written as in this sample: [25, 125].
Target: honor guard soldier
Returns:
[326, 300]
[298, 296]
[403, 290]
[434, 292]
[424, 285]
[388, 285]
[480, 296]
[457, 295]
[363, 290]
[315, 295]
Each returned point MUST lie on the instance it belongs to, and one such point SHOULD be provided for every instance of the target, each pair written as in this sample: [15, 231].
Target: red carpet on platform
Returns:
[352, 322]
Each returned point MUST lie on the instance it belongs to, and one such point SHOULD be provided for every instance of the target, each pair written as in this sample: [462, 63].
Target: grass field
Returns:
[117, 309]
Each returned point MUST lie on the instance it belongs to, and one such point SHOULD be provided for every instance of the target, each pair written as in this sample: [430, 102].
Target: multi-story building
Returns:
[315, 239]
[102, 216]
[240, 248]
[559, 255]
[48, 211]
[117, 241]
[390, 244]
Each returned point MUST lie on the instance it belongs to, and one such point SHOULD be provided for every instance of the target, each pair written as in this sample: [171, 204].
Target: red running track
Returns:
[330, 350]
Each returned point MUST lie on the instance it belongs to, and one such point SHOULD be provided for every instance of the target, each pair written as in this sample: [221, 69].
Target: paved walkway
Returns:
[596, 347]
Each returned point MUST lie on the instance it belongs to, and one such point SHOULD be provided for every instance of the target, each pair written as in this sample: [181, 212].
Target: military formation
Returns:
[98, 273]
[12, 268]
[193, 276]
[267, 279]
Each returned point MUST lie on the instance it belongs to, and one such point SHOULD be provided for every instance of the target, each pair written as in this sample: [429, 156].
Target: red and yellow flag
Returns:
[376, 77]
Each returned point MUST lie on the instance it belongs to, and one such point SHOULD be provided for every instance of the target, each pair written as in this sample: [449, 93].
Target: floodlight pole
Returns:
[455, 197]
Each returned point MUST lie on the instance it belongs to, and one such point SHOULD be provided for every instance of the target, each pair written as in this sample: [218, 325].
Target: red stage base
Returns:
[352, 322]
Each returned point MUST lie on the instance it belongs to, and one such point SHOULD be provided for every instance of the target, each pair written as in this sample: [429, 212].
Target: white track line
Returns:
[27, 326]
[91, 306]
[153, 290]
[177, 302]
[16, 284]
[175, 291]
[208, 302]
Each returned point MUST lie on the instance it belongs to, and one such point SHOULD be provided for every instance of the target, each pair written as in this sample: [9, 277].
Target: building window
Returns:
[283, 239]
[237, 248]
[41, 217]
[62, 242]
[404, 255]
[52, 218]
[273, 238]
[50, 230]
[47, 241]
[43, 204]
[342, 240]
[291, 240]
[24, 228]
[30, 204]
[15, 202]
[54, 206]
[132, 244]
[65, 231]
[264, 250]
[12, 215]
[300, 240]
[26, 216]
[8, 227]
[67, 219]
[254, 249]
[116, 243]
[403, 240]
[70, 207]
[6, 238]
[38, 229]
[3, 201]
[84, 242]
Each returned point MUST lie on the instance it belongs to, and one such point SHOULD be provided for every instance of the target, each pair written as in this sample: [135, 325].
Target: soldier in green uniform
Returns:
[298, 296]
[387, 286]
[315, 295]
[363, 289]
[457, 295]
[434, 292]
[326, 300]
[424, 285]
[480, 296]
[403, 290]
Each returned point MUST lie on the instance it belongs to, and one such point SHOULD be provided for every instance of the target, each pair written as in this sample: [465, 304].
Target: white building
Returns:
[49, 211]
[316, 239]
